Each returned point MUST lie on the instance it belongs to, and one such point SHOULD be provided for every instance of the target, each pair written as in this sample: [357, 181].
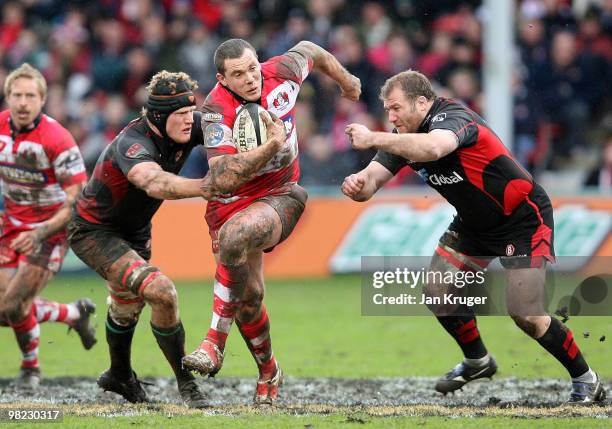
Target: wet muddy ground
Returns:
[321, 395]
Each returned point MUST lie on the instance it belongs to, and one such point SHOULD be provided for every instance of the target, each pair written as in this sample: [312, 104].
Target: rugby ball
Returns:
[249, 130]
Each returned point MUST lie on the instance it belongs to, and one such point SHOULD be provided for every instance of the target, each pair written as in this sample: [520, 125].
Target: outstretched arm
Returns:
[228, 172]
[162, 185]
[326, 63]
[419, 147]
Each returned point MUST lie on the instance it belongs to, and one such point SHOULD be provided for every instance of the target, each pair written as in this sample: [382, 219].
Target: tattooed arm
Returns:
[27, 241]
[228, 172]
[162, 185]
[326, 63]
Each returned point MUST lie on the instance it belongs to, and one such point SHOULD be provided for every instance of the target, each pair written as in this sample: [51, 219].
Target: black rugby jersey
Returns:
[109, 198]
[481, 179]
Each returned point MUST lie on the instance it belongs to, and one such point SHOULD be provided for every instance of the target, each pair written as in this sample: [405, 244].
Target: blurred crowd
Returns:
[98, 56]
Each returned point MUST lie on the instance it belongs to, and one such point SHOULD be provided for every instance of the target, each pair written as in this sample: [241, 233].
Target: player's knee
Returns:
[125, 314]
[3, 319]
[528, 324]
[8, 312]
[233, 244]
[15, 312]
[435, 301]
[161, 293]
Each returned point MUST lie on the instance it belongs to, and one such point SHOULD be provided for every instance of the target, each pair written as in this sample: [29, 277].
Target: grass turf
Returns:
[101, 418]
[331, 421]
[318, 331]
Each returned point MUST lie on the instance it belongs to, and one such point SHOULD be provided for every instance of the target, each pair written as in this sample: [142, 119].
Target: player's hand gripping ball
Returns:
[249, 129]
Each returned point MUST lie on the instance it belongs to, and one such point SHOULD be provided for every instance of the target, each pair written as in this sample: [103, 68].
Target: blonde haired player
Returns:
[42, 172]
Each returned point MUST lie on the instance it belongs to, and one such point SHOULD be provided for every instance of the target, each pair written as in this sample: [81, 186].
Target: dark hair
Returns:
[412, 83]
[230, 49]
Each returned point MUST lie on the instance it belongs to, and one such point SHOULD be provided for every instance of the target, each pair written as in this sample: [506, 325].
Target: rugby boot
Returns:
[266, 391]
[82, 325]
[206, 359]
[131, 388]
[191, 394]
[28, 379]
[462, 374]
[587, 393]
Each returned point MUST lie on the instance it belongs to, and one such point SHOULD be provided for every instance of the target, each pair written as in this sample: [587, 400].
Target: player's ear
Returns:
[221, 79]
[421, 101]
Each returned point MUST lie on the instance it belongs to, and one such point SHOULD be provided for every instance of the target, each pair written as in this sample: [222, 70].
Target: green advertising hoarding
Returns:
[397, 229]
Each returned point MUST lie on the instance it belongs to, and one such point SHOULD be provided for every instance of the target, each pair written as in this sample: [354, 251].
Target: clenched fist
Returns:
[352, 186]
[360, 136]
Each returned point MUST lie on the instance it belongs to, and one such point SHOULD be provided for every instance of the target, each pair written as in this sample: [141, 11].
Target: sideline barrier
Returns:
[396, 225]
[334, 232]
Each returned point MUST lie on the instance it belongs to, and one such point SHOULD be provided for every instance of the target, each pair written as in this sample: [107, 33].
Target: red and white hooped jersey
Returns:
[282, 77]
[35, 167]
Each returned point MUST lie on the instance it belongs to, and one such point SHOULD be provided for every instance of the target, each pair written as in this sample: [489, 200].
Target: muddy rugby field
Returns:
[380, 397]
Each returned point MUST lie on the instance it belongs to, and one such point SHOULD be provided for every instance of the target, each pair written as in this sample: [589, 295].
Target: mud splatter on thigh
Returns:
[289, 208]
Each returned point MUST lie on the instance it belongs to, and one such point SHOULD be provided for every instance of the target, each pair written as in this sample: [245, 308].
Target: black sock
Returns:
[119, 340]
[463, 329]
[172, 343]
[558, 340]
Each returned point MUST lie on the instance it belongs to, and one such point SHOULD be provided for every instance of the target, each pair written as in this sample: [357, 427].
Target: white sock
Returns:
[587, 377]
[476, 363]
[73, 313]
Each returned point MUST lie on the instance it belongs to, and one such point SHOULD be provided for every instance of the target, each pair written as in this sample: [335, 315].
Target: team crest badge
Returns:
[135, 151]
[281, 101]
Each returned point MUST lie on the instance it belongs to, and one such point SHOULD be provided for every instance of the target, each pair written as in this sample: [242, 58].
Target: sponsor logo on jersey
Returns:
[213, 135]
[135, 151]
[440, 179]
[21, 176]
[439, 117]
[281, 102]
[212, 117]
[69, 162]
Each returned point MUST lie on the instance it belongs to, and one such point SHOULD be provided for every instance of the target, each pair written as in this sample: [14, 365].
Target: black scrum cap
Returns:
[167, 95]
